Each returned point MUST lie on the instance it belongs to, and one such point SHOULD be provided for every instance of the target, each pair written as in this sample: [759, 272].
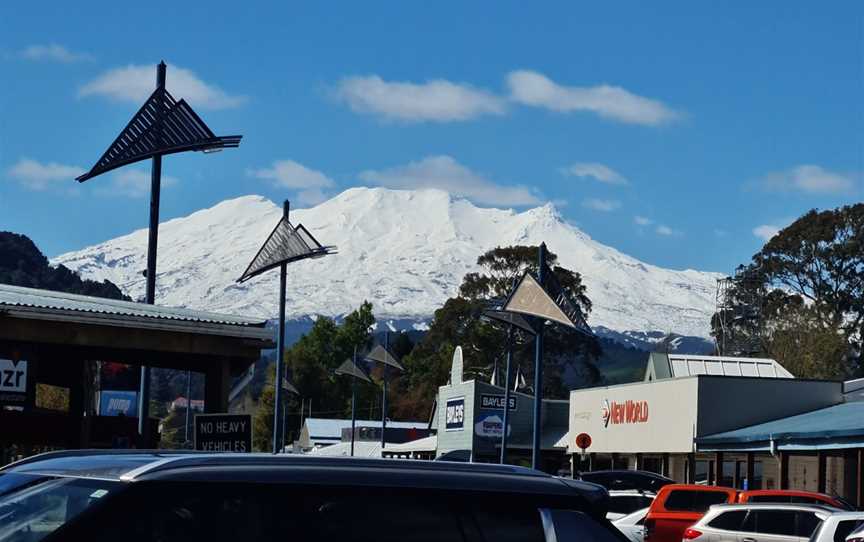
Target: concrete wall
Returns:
[668, 427]
[728, 402]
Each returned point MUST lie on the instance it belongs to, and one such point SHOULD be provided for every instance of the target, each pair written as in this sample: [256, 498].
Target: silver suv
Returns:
[758, 523]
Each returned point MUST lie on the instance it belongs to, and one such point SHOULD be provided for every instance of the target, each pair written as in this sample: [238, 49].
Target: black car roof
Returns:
[133, 466]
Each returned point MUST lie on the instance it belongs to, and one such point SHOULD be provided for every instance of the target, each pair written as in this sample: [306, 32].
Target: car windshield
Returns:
[32, 507]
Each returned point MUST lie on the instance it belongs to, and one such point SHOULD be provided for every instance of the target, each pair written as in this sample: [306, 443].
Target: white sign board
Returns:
[13, 376]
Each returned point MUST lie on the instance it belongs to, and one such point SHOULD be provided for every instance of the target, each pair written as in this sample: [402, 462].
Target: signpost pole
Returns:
[152, 241]
[384, 391]
[538, 366]
[507, 393]
[280, 349]
[353, 401]
[188, 405]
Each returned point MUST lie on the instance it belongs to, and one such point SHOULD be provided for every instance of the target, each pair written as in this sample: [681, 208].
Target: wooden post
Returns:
[751, 469]
[784, 470]
[638, 461]
[821, 461]
[665, 465]
[691, 468]
[217, 382]
[718, 468]
[860, 471]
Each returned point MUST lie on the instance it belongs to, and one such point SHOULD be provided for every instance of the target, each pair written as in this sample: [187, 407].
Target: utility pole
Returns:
[538, 366]
[384, 390]
[280, 348]
[152, 242]
[507, 393]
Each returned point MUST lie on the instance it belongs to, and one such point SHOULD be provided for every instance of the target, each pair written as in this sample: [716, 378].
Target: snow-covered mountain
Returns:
[406, 251]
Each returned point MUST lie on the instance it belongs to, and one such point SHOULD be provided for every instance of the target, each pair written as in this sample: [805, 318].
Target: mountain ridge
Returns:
[404, 250]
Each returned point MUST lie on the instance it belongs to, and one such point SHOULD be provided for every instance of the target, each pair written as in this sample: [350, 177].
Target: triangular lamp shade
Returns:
[284, 245]
[348, 368]
[163, 125]
[532, 299]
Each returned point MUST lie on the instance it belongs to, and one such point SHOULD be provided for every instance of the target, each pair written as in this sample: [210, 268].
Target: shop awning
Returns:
[838, 426]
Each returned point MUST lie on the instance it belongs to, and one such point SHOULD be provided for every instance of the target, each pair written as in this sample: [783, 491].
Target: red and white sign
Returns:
[618, 412]
[583, 441]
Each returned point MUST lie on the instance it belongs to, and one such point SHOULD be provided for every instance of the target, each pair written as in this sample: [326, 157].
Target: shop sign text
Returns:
[618, 412]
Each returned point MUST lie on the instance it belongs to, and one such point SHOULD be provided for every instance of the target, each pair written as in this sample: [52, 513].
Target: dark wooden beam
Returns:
[751, 470]
[822, 463]
[125, 338]
[691, 468]
[784, 470]
[718, 468]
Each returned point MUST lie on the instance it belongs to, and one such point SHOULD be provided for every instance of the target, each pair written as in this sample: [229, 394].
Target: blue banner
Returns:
[116, 403]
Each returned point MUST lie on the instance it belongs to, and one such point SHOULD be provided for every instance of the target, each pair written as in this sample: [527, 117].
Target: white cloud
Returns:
[40, 176]
[311, 197]
[766, 231]
[642, 221]
[604, 205]
[437, 100]
[132, 183]
[294, 175]
[601, 172]
[445, 173]
[718, 232]
[666, 231]
[535, 89]
[808, 178]
[53, 52]
[135, 83]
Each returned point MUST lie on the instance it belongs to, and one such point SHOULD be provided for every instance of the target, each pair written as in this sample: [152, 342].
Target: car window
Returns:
[571, 526]
[35, 509]
[780, 522]
[685, 500]
[845, 528]
[806, 523]
[180, 512]
[729, 521]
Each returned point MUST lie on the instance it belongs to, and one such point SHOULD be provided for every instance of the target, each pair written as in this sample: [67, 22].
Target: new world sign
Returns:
[616, 412]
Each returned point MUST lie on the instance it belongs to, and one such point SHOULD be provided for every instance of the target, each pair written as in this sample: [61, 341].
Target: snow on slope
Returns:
[406, 251]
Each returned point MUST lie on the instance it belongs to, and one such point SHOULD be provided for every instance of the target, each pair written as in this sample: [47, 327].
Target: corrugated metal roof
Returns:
[838, 421]
[18, 296]
[682, 365]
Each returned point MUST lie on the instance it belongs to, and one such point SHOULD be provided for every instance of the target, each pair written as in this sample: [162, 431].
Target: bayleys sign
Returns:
[618, 412]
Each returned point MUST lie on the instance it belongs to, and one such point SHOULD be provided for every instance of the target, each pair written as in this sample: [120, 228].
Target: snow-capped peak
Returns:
[406, 251]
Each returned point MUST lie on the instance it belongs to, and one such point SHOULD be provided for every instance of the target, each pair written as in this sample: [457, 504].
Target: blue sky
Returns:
[681, 133]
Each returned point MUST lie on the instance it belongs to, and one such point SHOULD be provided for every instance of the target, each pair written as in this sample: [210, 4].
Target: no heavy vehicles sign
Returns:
[223, 432]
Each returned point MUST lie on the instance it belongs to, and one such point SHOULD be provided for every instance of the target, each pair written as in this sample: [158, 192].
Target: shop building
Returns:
[656, 424]
[53, 342]
[469, 419]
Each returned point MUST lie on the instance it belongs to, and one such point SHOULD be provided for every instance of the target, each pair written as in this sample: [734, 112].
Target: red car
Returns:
[678, 506]
[792, 496]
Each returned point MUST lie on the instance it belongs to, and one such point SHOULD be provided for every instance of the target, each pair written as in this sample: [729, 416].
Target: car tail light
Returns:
[856, 539]
[692, 534]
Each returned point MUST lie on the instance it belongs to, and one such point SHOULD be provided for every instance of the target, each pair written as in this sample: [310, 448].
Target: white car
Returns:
[626, 501]
[768, 522]
[837, 527]
[633, 525]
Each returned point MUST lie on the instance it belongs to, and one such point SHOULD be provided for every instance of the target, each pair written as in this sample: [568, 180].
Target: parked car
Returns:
[769, 522]
[678, 506]
[144, 496]
[627, 479]
[857, 535]
[838, 526]
[793, 497]
[623, 502]
[633, 525]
